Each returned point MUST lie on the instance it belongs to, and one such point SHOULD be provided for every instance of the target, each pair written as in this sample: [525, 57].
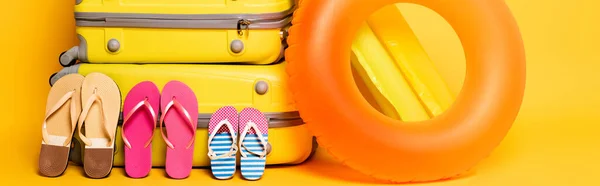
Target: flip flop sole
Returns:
[54, 156]
[178, 163]
[223, 168]
[140, 128]
[98, 158]
[253, 166]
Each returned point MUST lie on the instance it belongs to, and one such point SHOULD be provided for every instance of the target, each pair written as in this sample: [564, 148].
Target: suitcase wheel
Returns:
[50, 79]
[69, 57]
[315, 145]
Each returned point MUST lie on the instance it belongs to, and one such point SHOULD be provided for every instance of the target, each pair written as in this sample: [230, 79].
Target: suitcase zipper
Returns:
[239, 24]
[242, 23]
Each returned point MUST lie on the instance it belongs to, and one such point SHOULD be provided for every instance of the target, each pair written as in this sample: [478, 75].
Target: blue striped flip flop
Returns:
[254, 129]
[222, 142]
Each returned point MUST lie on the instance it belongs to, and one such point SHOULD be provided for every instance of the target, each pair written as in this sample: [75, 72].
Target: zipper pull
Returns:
[243, 24]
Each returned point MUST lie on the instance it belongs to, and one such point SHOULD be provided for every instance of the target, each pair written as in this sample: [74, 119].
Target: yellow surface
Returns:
[387, 84]
[400, 42]
[236, 84]
[182, 45]
[396, 70]
[158, 45]
[185, 6]
[554, 141]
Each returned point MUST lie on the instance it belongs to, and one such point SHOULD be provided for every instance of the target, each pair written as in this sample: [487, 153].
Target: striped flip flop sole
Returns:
[252, 166]
[222, 168]
[223, 141]
[252, 126]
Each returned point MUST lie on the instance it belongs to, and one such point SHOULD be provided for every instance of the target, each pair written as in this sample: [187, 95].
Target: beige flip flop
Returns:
[62, 110]
[101, 108]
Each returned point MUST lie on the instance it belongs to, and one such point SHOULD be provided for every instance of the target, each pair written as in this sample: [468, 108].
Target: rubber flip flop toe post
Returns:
[101, 109]
[222, 142]
[140, 111]
[179, 108]
[62, 110]
[254, 134]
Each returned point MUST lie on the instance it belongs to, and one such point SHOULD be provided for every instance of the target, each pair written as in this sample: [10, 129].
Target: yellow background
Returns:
[555, 140]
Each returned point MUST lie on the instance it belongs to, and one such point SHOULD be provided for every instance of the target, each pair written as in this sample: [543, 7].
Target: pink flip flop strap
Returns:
[177, 105]
[133, 111]
[93, 99]
[61, 102]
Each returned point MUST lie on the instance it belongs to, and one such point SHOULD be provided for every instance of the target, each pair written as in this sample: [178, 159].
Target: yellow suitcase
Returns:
[180, 31]
[260, 86]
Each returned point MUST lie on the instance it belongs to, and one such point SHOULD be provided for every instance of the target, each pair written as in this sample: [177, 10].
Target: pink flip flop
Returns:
[179, 108]
[140, 110]
[254, 139]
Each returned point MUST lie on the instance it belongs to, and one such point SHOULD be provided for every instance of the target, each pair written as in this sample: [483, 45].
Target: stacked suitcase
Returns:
[230, 52]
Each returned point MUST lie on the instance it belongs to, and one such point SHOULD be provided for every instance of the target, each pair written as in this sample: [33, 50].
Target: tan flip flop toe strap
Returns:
[94, 98]
[60, 103]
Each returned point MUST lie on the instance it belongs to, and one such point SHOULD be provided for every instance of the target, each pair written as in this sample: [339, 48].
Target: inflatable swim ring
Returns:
[357, 134]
